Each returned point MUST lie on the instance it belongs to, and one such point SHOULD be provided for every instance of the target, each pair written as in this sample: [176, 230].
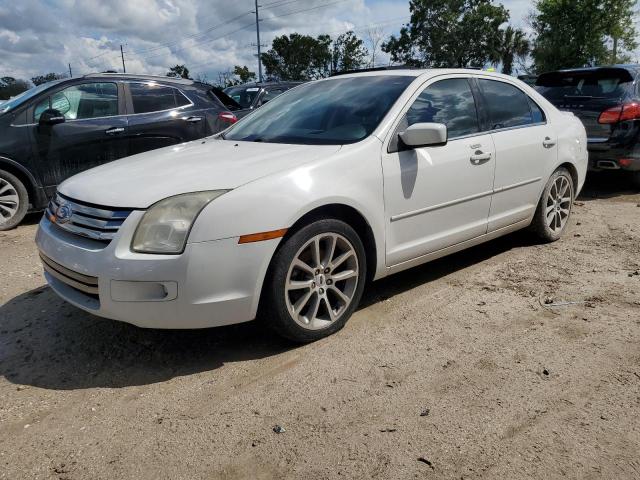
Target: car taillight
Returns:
[628, 111]
[227, 117]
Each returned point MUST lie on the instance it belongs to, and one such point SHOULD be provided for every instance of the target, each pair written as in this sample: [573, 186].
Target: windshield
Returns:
[329, 112]
[602, 83]
[243, 95]
[24, 96]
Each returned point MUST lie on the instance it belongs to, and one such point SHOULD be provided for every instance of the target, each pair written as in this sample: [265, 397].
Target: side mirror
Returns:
[51, 117]
[424, 135]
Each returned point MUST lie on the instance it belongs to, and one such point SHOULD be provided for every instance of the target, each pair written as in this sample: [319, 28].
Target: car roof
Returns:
[129, 76]
[631, 67]
[421, 72]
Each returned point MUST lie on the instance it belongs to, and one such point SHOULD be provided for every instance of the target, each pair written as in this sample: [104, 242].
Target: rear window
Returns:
[601, 83]
[243, 95]
[150, 97]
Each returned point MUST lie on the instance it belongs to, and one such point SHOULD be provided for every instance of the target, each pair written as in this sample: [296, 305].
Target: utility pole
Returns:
[70, 74]
[124, 69]
[258, 38]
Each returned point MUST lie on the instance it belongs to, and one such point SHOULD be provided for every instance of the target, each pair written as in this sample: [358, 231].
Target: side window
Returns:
[78, 102]
[450, 102]
[507, 105]
[536, 112]
[271, 94]
[40, 107]
[148, 97]
[181, 99]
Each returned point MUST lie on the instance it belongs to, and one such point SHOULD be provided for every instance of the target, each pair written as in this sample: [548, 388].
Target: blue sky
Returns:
[209, 36]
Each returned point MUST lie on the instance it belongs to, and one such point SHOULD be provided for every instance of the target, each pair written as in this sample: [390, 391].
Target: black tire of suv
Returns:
[23, 197]
[275, 312]
[539, 224]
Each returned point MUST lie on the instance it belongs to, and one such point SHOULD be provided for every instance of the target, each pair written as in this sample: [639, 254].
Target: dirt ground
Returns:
[453, 370]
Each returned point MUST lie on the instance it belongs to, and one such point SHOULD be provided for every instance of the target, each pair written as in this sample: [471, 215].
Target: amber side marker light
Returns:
[262, 236]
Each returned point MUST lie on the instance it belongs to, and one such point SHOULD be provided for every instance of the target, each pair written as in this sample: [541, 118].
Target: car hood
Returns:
[207, 164]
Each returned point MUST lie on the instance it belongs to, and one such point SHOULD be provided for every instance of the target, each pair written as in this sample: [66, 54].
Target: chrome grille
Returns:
[86, 220]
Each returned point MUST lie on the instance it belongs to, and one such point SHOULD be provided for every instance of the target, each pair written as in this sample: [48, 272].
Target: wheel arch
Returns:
[573, 171]
[350, 216]
[25, 176]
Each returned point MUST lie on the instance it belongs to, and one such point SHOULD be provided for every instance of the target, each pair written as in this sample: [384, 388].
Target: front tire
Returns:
[554, 208]
[316, 281]
[14, 201]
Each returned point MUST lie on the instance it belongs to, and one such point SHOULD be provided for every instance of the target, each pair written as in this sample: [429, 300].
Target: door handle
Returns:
[548, 143]
[479, 157]
[192, 119]
[114, 131]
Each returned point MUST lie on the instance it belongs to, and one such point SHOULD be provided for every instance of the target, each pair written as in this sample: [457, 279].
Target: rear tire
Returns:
[554, 208]
[315, 281]
[14, 201]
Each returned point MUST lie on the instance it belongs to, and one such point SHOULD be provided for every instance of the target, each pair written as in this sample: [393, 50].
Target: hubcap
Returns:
[9, 201]
[321, 281]
[558, 205]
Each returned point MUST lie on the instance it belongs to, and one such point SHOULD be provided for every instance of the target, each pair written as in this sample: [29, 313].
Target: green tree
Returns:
[349, 53]
[10, 87]
[576, 33]
[298, 57]
[244, 74]
[513, 45]
[619, 27]
[448, 33]
[178, 71]
[40, 79]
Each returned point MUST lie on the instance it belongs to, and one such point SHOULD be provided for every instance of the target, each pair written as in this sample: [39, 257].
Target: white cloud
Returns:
[40, 36]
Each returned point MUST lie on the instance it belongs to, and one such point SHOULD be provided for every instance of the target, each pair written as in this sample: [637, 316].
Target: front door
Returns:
[93, 132]
[438, 196]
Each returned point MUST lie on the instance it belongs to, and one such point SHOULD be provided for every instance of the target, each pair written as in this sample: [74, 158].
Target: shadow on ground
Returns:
[608, 184]
[47, 343]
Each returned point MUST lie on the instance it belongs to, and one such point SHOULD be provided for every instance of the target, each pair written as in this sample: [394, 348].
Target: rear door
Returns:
[159, 116]
[93, 133]
[525, 146]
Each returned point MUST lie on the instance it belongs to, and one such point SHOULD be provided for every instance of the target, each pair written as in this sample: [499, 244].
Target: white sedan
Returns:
[288, 214]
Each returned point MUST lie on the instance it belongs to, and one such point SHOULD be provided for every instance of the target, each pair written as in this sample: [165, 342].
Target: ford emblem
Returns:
[63, 213]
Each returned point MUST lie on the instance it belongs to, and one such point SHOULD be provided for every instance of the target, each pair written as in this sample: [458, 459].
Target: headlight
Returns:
[164, 228]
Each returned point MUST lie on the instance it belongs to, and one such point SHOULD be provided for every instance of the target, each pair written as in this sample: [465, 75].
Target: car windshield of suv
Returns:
[328, 112]
[243, 95]
[603, 83]
[18, 100]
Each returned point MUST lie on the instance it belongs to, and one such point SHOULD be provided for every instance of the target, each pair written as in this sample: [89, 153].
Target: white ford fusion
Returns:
[293, 209]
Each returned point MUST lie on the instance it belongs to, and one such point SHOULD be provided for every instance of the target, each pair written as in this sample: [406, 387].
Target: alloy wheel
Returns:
[9, 201]
[321, 281]
[558, 205]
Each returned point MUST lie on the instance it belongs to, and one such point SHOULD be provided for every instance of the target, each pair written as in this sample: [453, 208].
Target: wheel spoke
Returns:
[302, 302]
[331, 250]
[332, 314]
[340, 295]
[297, 263]
[9, 199]
[344, 275]
[5, 208]
[313, 311]
[315, 252]
[341, 259]
[6, 187]
[299, 284]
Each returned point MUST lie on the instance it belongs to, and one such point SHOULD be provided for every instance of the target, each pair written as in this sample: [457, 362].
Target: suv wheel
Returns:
[552, 215]
[316, 281]
[14, 201]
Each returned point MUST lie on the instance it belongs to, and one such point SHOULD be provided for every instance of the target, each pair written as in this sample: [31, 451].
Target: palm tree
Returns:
[513, 44]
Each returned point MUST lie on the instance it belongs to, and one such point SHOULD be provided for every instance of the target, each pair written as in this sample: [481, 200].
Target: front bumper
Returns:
[211, 284]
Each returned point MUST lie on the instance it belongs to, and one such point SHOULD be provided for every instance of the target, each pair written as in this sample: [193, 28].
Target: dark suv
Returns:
[253, 95]
[63, 127]
[607, 100]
